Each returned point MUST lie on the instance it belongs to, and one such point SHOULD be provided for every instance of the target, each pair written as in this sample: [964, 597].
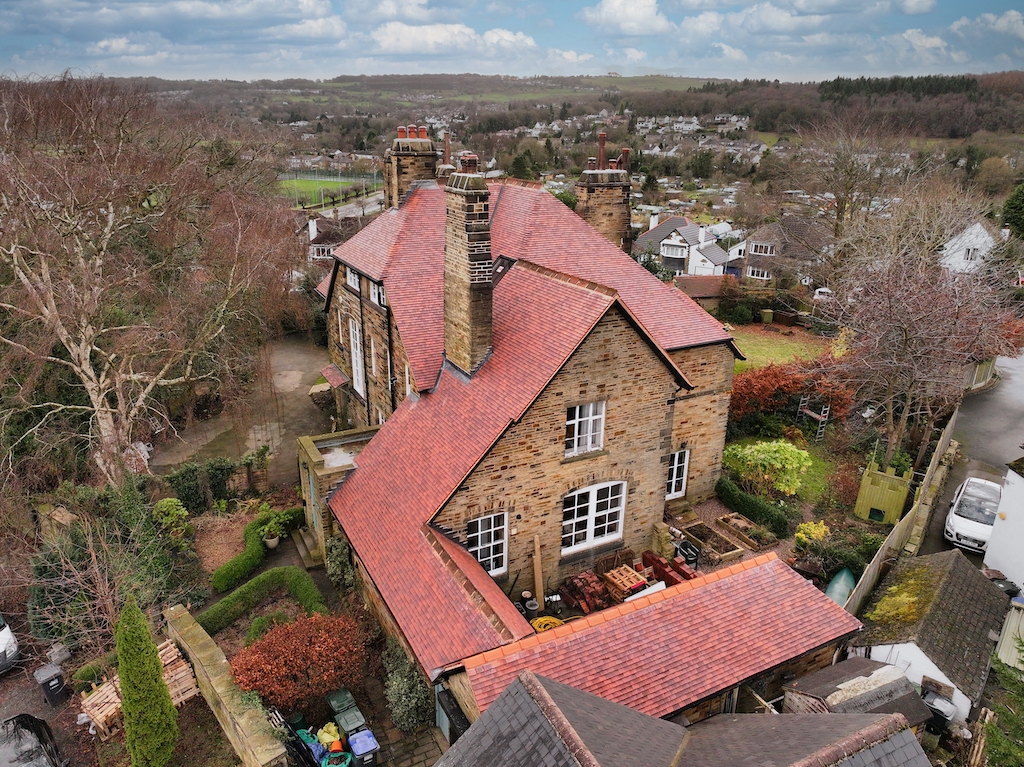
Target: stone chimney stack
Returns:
[602, 194]
[412, 157]
[467, 269]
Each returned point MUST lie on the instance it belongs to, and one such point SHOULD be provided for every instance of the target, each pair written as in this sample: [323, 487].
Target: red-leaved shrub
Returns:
[763, 390]
[302, 661]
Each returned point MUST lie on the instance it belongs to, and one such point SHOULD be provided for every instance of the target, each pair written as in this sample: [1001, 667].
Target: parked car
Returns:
[970, 518]
[9, 653]
[26, 741]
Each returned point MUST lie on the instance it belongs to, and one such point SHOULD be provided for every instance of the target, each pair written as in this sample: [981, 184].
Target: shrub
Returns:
[192, 487]
[232, 607]
[150, 719]
[233, 572]
[763, 390]
[765, 467]
[741, 315]
[810, 532]
[337, 563]
[261, 624]
[409, 696]
[298, 663]
[757, 510]
[218, 472]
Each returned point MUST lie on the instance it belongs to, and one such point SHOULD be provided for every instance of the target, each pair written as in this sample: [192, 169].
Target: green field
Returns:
[762, 347]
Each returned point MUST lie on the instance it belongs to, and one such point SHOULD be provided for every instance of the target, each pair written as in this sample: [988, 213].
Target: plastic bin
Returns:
[51, 679]
[364, 748]
[341, 699]
[350, 720]
[689, 552]
[297, 721]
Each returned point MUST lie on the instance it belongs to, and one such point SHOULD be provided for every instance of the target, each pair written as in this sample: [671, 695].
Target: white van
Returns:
[8, 646]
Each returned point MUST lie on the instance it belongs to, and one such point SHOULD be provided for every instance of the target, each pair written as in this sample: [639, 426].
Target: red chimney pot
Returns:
[401, 131]
[423, 131]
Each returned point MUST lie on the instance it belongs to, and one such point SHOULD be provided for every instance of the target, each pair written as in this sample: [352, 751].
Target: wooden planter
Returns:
[714, 546]
[738, 526]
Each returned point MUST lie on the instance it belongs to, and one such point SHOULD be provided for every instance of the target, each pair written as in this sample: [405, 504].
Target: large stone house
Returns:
[542, 399]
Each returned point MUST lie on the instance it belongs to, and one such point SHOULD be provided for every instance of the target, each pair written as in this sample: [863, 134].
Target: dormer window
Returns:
[377, 294]
[352, 278]
[584, 428]
[761, 249]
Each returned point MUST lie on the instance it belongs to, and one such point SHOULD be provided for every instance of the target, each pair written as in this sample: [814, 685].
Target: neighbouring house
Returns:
[1006, 542]
[857, 686]
[706, 291]
[325, 234]
[538, 721]
[786, 249]
[937, 618]
[685, 248]
[966, 252]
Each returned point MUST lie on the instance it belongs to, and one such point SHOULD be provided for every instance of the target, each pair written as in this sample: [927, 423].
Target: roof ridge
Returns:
[568, 279]
[558, 721]
[625, 608]
[866, 737]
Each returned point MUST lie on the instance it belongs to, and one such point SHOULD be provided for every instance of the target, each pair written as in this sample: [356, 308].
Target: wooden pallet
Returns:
[623, 581]
[103, 704]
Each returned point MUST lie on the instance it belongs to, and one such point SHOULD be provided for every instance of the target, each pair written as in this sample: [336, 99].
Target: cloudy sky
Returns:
[791, 40]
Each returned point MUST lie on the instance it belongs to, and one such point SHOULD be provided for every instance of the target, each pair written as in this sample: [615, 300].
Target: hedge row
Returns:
[231, 573]
[232, 607]
[755, 509]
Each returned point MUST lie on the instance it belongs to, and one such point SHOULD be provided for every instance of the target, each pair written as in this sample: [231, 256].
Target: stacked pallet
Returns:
[103, 704]
[623, 582]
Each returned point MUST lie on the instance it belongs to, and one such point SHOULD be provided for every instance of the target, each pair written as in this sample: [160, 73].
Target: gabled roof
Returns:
[713, 252]
[537, 722]
[421, 455]
[666, 651]
[794, 237]
[660, 232]
[803, 740]
[863, 686]
[953, 613]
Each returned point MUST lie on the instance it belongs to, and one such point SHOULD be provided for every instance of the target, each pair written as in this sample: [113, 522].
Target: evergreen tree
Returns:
[150, 719]
[1013, 211]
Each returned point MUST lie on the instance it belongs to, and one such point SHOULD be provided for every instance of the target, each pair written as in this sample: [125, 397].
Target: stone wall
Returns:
[246, 728]
[527, 474]
[407, 161]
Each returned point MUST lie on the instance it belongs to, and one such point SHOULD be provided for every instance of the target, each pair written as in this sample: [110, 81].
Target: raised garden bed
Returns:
[753, 536]
[713, 546]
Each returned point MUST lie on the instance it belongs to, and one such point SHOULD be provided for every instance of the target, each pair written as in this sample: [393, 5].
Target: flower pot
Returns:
[271, 543]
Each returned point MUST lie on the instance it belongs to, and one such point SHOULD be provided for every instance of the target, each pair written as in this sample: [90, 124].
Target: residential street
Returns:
[990, 430]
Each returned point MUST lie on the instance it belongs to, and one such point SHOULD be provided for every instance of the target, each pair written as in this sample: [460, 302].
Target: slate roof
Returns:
[795, 238]
[404, 248]
[863, 686]
[537, 722]
[663, 652]
[803, 740]
[960, 613]
[426, 449]
[660, 232]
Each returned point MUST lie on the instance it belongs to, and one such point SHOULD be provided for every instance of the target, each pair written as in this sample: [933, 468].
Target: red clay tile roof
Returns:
[334, 376]
[700, 286]
[404, 248]
[428, 446]
[671, 649]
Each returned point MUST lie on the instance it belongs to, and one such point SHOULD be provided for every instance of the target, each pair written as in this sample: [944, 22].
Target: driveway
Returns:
[990, 430]
[276, 414]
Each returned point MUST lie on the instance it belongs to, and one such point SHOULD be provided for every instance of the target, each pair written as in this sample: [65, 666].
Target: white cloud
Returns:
[310, 29]
[398, 37]
[628, 17]
[117, 46]
[703, 25]
[731, 54]
[766, 18]
[915, 7]
[1010, 23]
[408, 10]
[569, 56]
[633, 55]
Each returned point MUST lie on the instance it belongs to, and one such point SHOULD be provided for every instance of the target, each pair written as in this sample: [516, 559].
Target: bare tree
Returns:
[138, 253]
[912, 328]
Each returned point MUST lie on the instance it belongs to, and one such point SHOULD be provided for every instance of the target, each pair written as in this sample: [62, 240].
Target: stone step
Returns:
[307, 561]
[312, 544]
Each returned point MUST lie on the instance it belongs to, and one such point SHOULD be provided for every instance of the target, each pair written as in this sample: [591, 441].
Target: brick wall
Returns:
[527, 474]
[357, 411]
[603, 202]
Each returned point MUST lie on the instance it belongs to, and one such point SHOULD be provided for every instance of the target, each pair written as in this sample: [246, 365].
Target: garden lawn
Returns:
[762, 347]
